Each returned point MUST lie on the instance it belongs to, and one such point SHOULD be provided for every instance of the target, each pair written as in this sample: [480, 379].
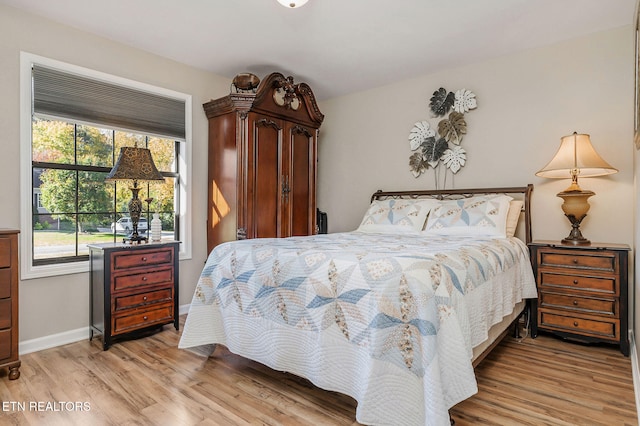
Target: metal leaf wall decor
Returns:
[453, 128]
[432, 147]
[441, 102]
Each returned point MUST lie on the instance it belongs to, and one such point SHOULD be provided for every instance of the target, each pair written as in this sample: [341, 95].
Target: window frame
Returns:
[184, 220]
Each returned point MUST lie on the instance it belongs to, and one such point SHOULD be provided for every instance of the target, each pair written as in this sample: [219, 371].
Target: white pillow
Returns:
[484, 215]
[397, 215]
[513, 216]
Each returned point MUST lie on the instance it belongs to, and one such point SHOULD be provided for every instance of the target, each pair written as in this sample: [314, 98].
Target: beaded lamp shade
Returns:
[135, 164]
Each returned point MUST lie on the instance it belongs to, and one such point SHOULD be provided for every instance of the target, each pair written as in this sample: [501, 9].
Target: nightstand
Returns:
[9, 357]
[582, 291]
[134, 289]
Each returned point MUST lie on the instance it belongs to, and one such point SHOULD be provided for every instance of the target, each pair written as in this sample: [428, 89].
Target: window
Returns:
[77, 122]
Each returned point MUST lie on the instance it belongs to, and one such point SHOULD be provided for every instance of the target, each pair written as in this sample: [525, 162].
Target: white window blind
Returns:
[69, 96]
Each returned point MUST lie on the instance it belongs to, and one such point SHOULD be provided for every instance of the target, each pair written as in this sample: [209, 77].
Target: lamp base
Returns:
[575, 208]
[135, 239]
[575, 236]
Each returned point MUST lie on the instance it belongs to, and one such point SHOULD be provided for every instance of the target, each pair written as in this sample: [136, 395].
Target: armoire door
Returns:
[300, 154]
[264, 178]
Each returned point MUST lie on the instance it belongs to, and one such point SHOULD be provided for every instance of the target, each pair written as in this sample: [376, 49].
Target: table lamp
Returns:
[135, 165]
[576, 157]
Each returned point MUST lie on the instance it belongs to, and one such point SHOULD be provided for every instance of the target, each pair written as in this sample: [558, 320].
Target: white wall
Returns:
[60, 304]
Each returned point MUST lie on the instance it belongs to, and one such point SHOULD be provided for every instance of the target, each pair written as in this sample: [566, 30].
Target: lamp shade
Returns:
[134, 164]
[576, 154]
[292, 3]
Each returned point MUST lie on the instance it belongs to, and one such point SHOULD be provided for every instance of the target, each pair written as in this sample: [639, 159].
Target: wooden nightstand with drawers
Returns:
[9, 302]
[582, 291]
[134, 289]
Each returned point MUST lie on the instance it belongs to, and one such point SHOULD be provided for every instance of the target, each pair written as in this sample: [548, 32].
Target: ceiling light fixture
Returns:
[292, 4]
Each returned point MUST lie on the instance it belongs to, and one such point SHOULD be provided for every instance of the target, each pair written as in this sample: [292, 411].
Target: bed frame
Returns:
[501, 329]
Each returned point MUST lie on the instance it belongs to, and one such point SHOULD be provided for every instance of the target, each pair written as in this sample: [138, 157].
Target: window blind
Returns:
[73, 97]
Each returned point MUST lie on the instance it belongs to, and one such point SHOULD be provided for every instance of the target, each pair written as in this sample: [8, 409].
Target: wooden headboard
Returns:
[520, 192]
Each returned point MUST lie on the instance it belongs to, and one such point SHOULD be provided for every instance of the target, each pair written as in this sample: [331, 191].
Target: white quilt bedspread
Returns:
[390, 320]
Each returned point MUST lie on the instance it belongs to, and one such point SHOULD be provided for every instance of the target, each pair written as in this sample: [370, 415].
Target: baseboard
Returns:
[53, 340]
[635, 371]
[64, 338]
[184, 309]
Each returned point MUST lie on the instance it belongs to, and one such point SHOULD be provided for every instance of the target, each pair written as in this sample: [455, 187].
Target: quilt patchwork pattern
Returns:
[406, 213]
[386, 294]
[486, 211]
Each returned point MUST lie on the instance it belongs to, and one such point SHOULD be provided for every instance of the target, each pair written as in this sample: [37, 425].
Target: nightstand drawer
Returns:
[140, 258]
[128, 323]
[5, 313]
[587, 305]
[155, 276]
[601, 285]
[5, 252]
[579, 259]
[577, 325]
[5, 344]
[5, 283]
[143, 299]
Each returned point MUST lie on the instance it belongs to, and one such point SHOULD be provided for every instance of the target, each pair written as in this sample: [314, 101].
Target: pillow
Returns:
[396, 215]
[484, 215]
[513, 216]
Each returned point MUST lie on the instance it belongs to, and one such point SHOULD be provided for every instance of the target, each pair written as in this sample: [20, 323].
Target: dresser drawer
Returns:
[5, 252]
[123, 324]
[5, 344]
[143, 278]
[601, 261]
[143, 299]
[596, 284]
[139, 258]
[5, 282]
[5, 313]
[587, 305]
[572, 324]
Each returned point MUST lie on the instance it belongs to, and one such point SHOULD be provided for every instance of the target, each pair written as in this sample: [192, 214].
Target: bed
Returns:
[395, 314]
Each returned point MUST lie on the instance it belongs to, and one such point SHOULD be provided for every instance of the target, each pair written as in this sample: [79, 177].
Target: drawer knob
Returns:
[575, 281]
[575, 323]
[144, 259]
[144, 278]
[575, 261]
[575, 302]
[146, 317]
[145, 299]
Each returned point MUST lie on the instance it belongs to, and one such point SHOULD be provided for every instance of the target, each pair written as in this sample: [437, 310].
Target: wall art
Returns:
[439, 148]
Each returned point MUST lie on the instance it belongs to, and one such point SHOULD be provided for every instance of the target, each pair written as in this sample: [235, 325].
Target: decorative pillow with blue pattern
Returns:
[396, 215]
[484, 215]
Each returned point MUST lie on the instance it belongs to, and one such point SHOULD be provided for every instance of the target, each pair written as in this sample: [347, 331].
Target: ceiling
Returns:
[336, 46]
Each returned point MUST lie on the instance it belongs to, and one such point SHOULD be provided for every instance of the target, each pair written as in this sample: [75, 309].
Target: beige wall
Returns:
[60, 304]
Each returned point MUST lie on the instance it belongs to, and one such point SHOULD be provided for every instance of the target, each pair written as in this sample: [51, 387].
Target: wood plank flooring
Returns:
[150, 382]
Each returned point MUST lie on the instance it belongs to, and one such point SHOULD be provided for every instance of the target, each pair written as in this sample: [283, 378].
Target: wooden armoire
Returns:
[262, 162]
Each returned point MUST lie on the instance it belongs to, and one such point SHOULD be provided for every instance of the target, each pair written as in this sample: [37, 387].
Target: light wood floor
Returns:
[150, 382]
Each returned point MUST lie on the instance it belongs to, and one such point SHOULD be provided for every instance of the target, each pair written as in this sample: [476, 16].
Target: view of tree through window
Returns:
[74, 206]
